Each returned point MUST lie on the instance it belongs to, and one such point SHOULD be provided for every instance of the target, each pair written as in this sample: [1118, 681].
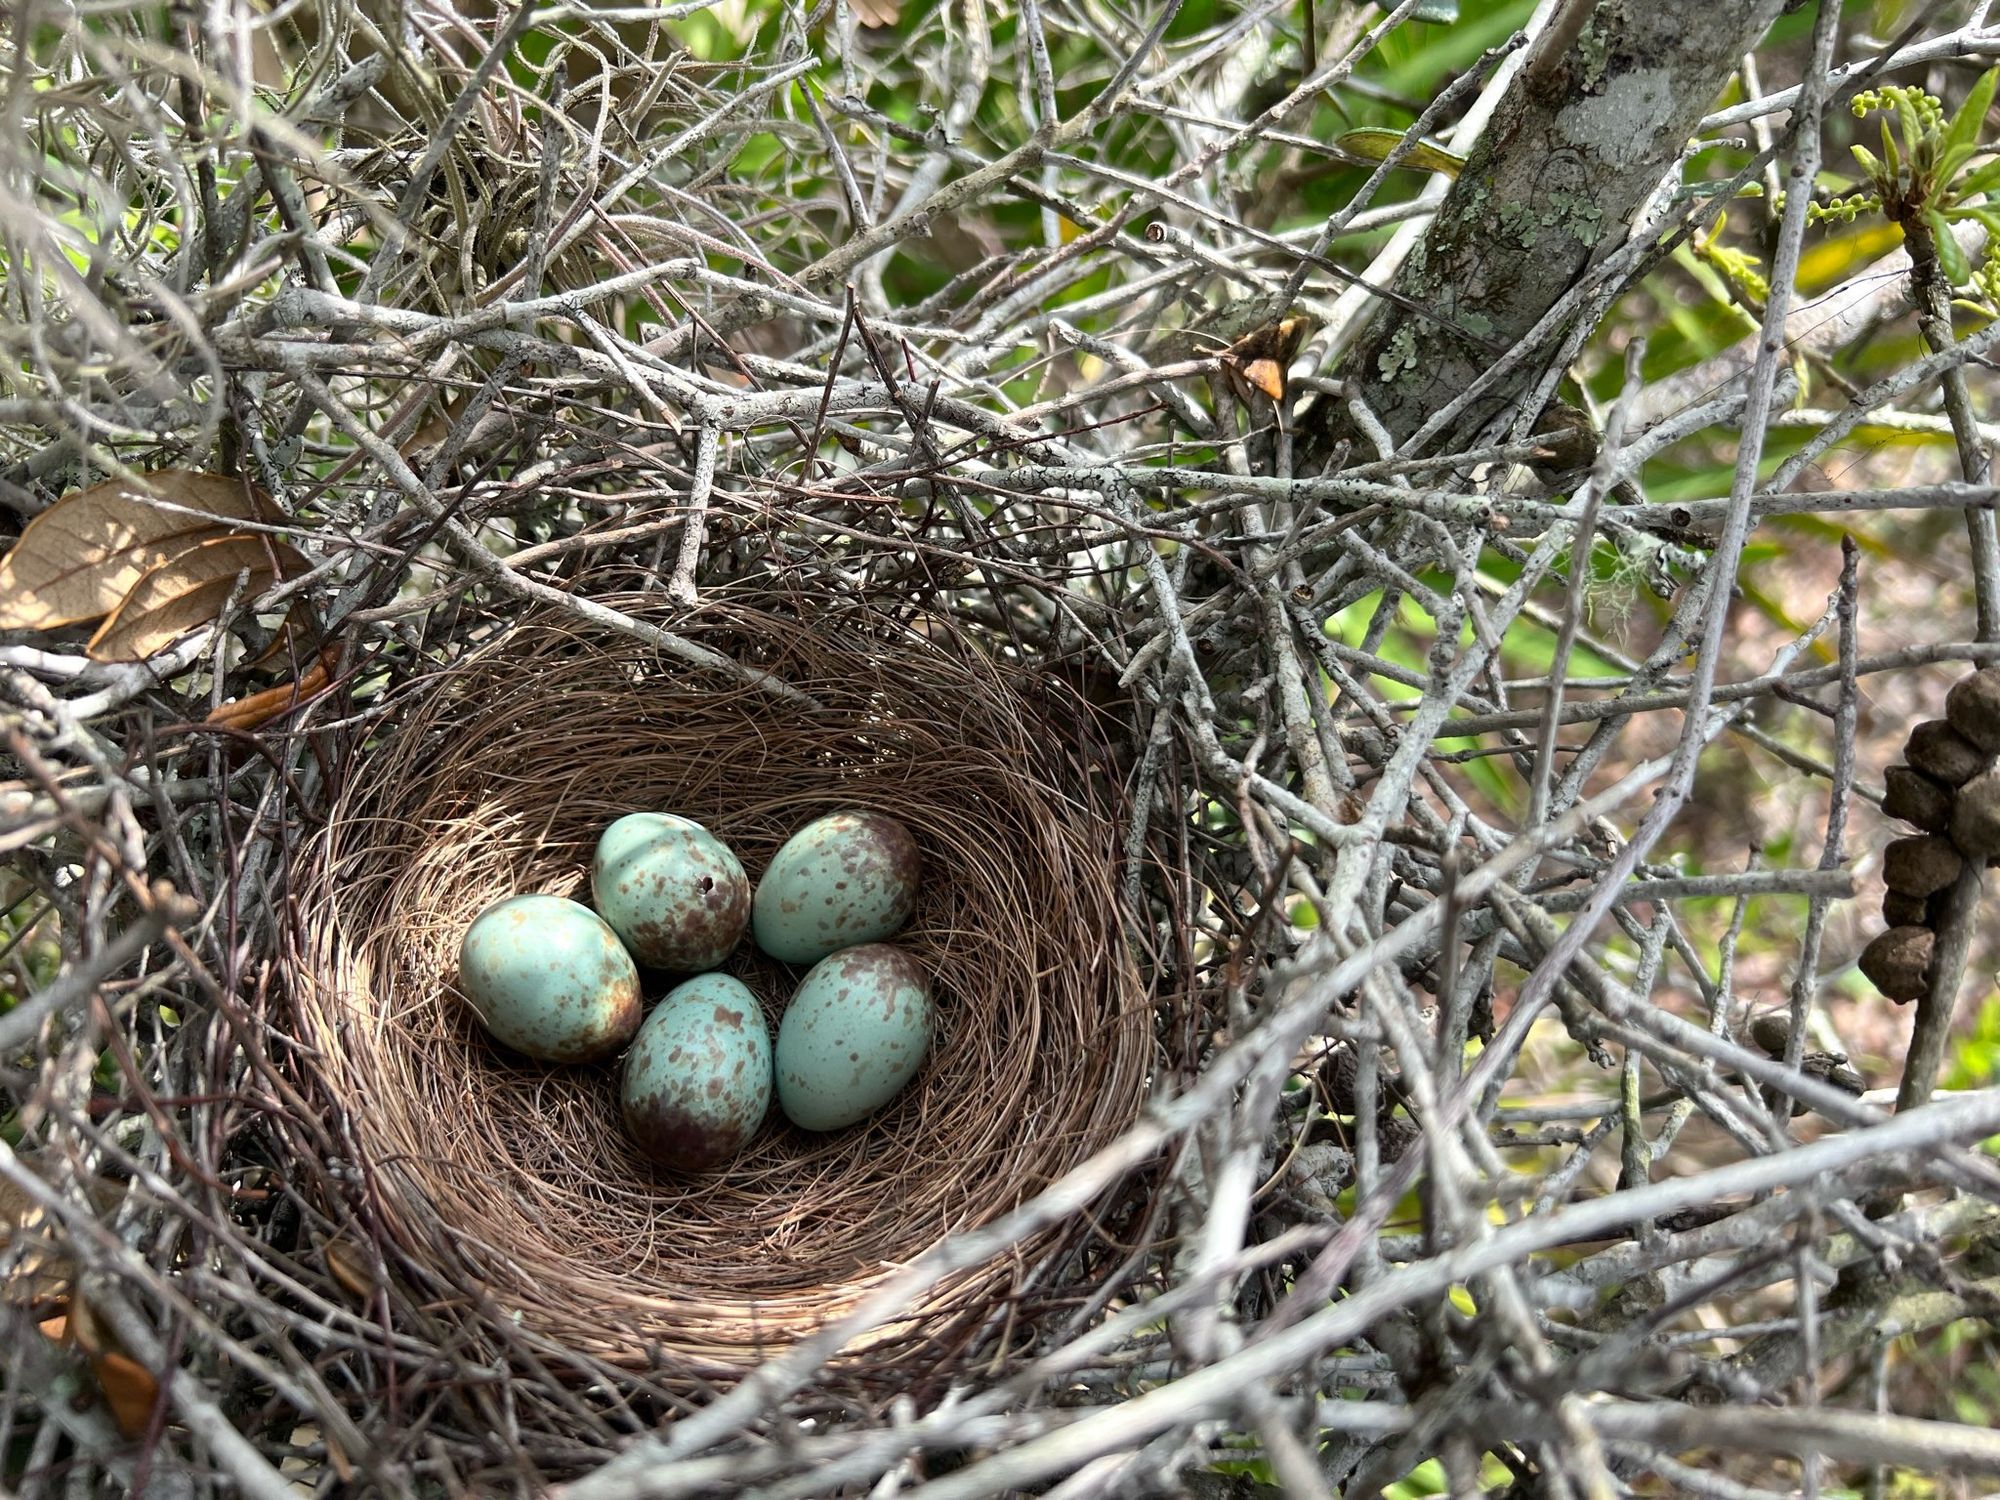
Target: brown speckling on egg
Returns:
[847, 878]
[675, 893]
[548, 979]
[853, 1036]
[705, 1100]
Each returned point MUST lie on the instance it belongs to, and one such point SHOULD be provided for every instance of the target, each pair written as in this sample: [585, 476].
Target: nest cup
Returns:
[515, 1182]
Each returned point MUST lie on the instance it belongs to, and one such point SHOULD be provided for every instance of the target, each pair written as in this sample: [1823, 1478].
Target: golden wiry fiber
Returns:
[515, 1182]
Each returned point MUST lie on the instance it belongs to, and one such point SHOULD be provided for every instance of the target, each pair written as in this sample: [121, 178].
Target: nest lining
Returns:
[497, 778]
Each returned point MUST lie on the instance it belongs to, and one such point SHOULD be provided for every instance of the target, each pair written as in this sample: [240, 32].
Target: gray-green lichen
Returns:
[1576, 213]
[1400, 354]
[1573, 150]
[1592, 54]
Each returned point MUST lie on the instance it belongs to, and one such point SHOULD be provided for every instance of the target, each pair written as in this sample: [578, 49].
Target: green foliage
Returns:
[1428, 1478]
[1925, 172]
[1738, 267]
[28, 941]
[1975, 1061]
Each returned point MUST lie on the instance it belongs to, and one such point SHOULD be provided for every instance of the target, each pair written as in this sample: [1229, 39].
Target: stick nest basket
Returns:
[512, 1184]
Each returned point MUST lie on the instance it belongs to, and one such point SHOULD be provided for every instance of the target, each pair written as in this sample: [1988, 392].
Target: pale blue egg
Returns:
[697, 1081]
[843, 880]
[548, 978]
[854, 1035]
[672, 890]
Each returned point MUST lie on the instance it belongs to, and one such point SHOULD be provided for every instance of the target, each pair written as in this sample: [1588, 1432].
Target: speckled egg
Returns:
[845, 879]
[672, 890]
[697, 1081]
[547, 977]
[854, 1034]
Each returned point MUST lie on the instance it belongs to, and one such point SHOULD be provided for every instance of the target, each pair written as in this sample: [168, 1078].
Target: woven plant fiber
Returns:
[514, 1182]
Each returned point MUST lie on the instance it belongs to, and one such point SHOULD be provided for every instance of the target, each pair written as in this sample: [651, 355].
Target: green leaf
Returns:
[1963, 131]
[1982, 180]
[1951, 259]
[1892, 159]
[1951, 161]
[1913, 126]
[1990, 217]
[1431, 12]
[1839, 256]
[1374, 144]
[1871, 166]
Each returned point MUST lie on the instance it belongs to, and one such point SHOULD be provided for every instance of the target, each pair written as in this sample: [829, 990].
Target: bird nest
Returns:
[513, 1184]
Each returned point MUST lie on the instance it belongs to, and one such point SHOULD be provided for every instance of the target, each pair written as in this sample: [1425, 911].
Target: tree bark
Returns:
[1596, 119]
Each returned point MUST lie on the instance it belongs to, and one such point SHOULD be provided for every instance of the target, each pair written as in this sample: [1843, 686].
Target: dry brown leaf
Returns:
[260, 708]
[352, 1268]
[42, 1273]
[129, 1390]
[42, 1270]
[129, 1387]
[189, 590]
[78, 558]
[1261, 360]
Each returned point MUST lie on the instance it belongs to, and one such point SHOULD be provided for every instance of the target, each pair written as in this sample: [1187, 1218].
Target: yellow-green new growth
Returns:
[1922, 172]
[1741, 269]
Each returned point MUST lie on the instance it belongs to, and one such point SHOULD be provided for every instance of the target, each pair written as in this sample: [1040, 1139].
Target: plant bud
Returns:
[1943, 754]
[1973, 707]
[1919, 865]
[1897, 961]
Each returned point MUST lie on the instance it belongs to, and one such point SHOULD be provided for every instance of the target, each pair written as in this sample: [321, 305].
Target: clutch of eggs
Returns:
[557, 981]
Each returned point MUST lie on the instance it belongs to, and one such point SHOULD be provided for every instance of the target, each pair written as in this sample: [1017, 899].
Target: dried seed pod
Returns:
[1943, 754]
[1899, 910]
[1915, 798]
[1831, 1068]
[1973, 708]
[1341, 1074]
[1975, 817]
[1918, 865]
[1897, 961]
[1934, 909]
[1771, 1031]
[1395, 1135]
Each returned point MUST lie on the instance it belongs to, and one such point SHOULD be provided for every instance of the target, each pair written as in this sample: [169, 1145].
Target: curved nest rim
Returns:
[515, 1180]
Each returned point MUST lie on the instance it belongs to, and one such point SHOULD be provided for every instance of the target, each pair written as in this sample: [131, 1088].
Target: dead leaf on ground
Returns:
[129, 1390]
[189, 590]
[44, 1278]
[41, 1273]
[78, 558]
